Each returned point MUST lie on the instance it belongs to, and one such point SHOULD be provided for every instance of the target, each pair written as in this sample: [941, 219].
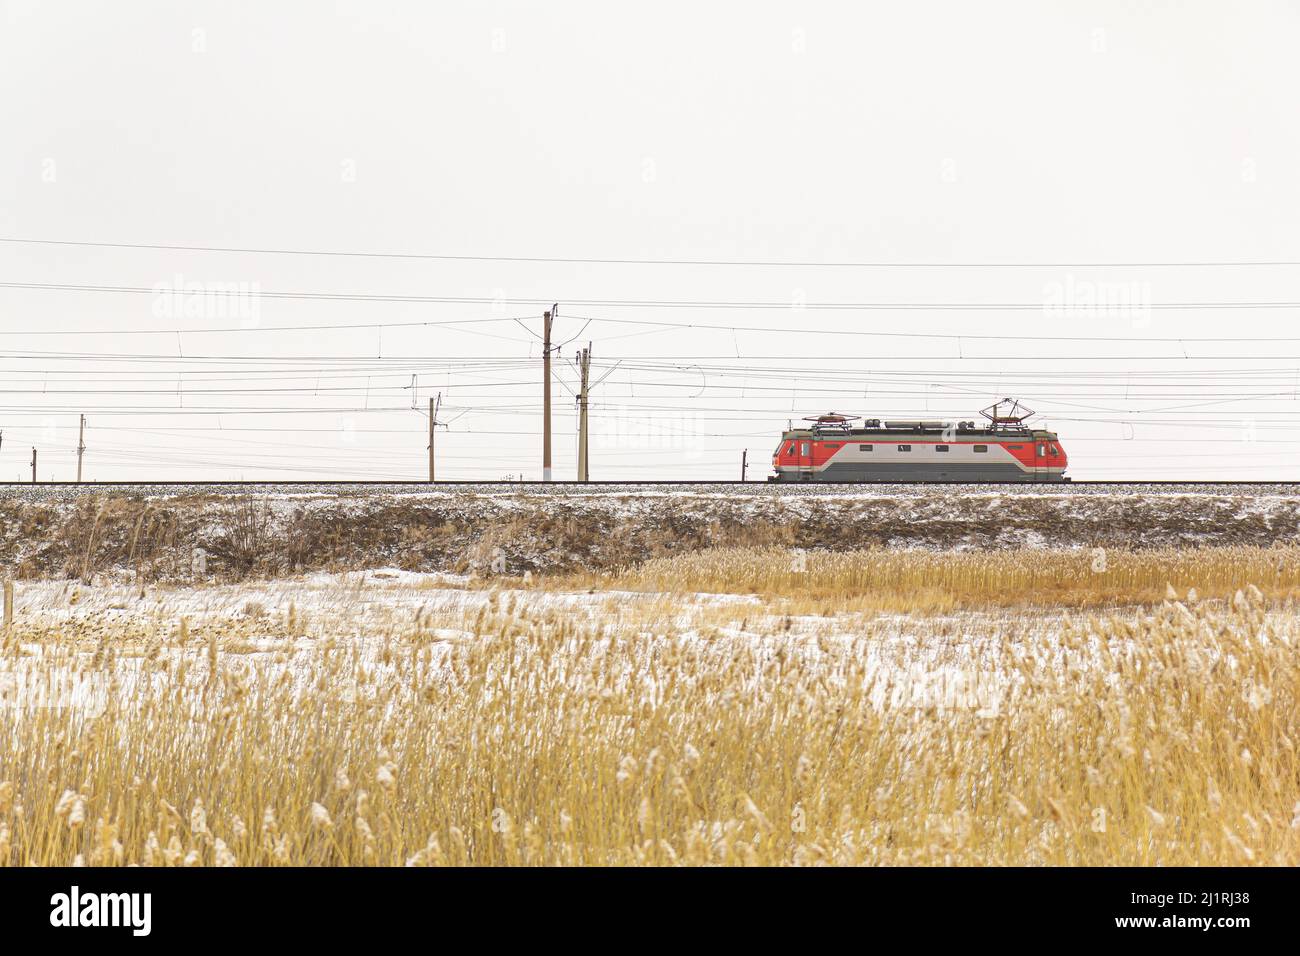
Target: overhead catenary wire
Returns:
[701, 304]
[1205, 374]
[672, 261]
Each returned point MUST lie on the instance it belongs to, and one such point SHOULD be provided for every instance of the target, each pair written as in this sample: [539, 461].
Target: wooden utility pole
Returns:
[434, 405]
[547, 319]
[81, 446]
[33, 466]
[584, 367]
[744, 463]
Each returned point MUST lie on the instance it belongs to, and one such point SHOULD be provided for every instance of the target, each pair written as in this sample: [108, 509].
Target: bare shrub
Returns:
[248, 543]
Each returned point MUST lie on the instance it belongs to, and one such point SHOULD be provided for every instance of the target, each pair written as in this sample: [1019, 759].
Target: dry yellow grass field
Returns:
[724, 707]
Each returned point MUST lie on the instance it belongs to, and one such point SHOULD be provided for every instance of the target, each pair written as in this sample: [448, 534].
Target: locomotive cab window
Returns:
[1042, 451]
[1054, 451]
[803, 449]
[981, 448]
[790, 450]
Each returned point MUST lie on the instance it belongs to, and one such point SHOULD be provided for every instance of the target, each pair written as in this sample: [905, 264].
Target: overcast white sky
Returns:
[951, 134]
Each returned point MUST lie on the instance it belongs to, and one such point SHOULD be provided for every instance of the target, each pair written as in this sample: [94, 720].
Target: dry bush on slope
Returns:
[562, 533]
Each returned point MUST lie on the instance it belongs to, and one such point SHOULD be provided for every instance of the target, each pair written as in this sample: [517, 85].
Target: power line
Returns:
[593, 260]
[451, 362]
[962, 336]
[621, 303]
[226, 329]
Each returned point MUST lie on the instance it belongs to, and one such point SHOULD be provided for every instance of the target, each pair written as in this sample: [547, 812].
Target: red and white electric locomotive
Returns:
[1005, 449]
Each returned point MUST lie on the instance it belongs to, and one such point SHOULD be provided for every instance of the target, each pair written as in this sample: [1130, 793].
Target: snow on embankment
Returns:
[154, 531]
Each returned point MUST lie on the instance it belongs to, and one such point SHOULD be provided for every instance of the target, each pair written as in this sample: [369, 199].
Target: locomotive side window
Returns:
[940, 447]
[982, 448]
[832, 446]
[864, 447]
[1015, 447]
[904, 447]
